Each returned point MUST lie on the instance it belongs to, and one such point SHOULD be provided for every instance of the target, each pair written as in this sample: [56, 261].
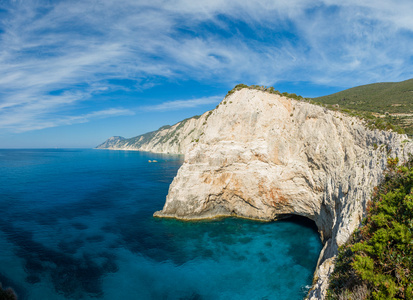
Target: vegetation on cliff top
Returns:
[270, 90]
[392, 102]
[372, 116]
[377, 262]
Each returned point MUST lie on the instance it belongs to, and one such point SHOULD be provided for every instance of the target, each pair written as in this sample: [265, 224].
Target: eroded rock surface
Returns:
[263, 156]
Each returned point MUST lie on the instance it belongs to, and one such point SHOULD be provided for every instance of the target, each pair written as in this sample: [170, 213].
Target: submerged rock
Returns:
[263, 156]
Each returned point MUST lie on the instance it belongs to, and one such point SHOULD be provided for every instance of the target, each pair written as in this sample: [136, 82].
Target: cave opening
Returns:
[300, 220]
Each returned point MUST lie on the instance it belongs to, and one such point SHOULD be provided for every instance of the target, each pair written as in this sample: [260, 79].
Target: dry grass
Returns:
[360, 292]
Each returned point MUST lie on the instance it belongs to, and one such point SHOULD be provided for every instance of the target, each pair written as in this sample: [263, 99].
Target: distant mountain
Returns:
[111, 142]
[390, 101]
[173, 139]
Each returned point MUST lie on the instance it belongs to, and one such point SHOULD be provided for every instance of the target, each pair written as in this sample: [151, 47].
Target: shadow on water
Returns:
[159, 240]
[193, 296]
[100, 200]
[70, 276]
[167, 240]
[19, 290]
[301, 221]
[304, 242]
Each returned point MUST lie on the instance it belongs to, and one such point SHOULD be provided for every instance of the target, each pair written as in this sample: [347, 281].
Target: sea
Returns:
[78, 224]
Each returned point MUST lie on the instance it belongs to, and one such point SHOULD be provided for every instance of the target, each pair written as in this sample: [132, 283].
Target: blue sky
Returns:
[74, 73]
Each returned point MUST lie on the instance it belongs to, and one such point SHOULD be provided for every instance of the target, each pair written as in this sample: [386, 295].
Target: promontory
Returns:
[266, 156]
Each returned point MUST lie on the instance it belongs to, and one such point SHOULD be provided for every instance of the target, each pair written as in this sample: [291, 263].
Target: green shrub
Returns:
[380, 254]
[270, 90]
[387, 99]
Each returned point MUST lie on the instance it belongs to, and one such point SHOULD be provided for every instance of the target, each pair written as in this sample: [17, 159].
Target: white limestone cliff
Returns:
[263, 156]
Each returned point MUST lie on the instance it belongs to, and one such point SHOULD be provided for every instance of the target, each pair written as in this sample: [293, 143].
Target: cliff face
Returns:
[176, 139]
[264, 156]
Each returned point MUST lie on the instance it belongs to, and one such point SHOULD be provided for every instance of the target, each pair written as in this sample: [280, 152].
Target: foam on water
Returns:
[77, 224]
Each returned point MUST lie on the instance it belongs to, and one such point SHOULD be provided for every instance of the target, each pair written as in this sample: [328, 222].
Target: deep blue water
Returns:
[77, 224]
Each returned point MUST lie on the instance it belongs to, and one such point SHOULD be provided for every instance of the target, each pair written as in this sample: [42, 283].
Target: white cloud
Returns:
[79, 46]
[27, 120]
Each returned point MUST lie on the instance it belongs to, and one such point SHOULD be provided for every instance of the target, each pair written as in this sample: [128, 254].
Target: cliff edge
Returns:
[264, 156]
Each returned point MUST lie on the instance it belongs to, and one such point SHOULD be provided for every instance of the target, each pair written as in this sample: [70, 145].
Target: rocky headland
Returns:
[265, 156]
[176, 139]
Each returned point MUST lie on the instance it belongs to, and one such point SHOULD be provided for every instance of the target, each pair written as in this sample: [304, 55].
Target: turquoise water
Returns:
[77, 224]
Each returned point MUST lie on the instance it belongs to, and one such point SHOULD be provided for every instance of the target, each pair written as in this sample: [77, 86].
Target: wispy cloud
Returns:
[180, 104]
[27, 120]
[56, 55]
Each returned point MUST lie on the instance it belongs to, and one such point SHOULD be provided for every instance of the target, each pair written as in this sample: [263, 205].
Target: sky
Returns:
[74, 73]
